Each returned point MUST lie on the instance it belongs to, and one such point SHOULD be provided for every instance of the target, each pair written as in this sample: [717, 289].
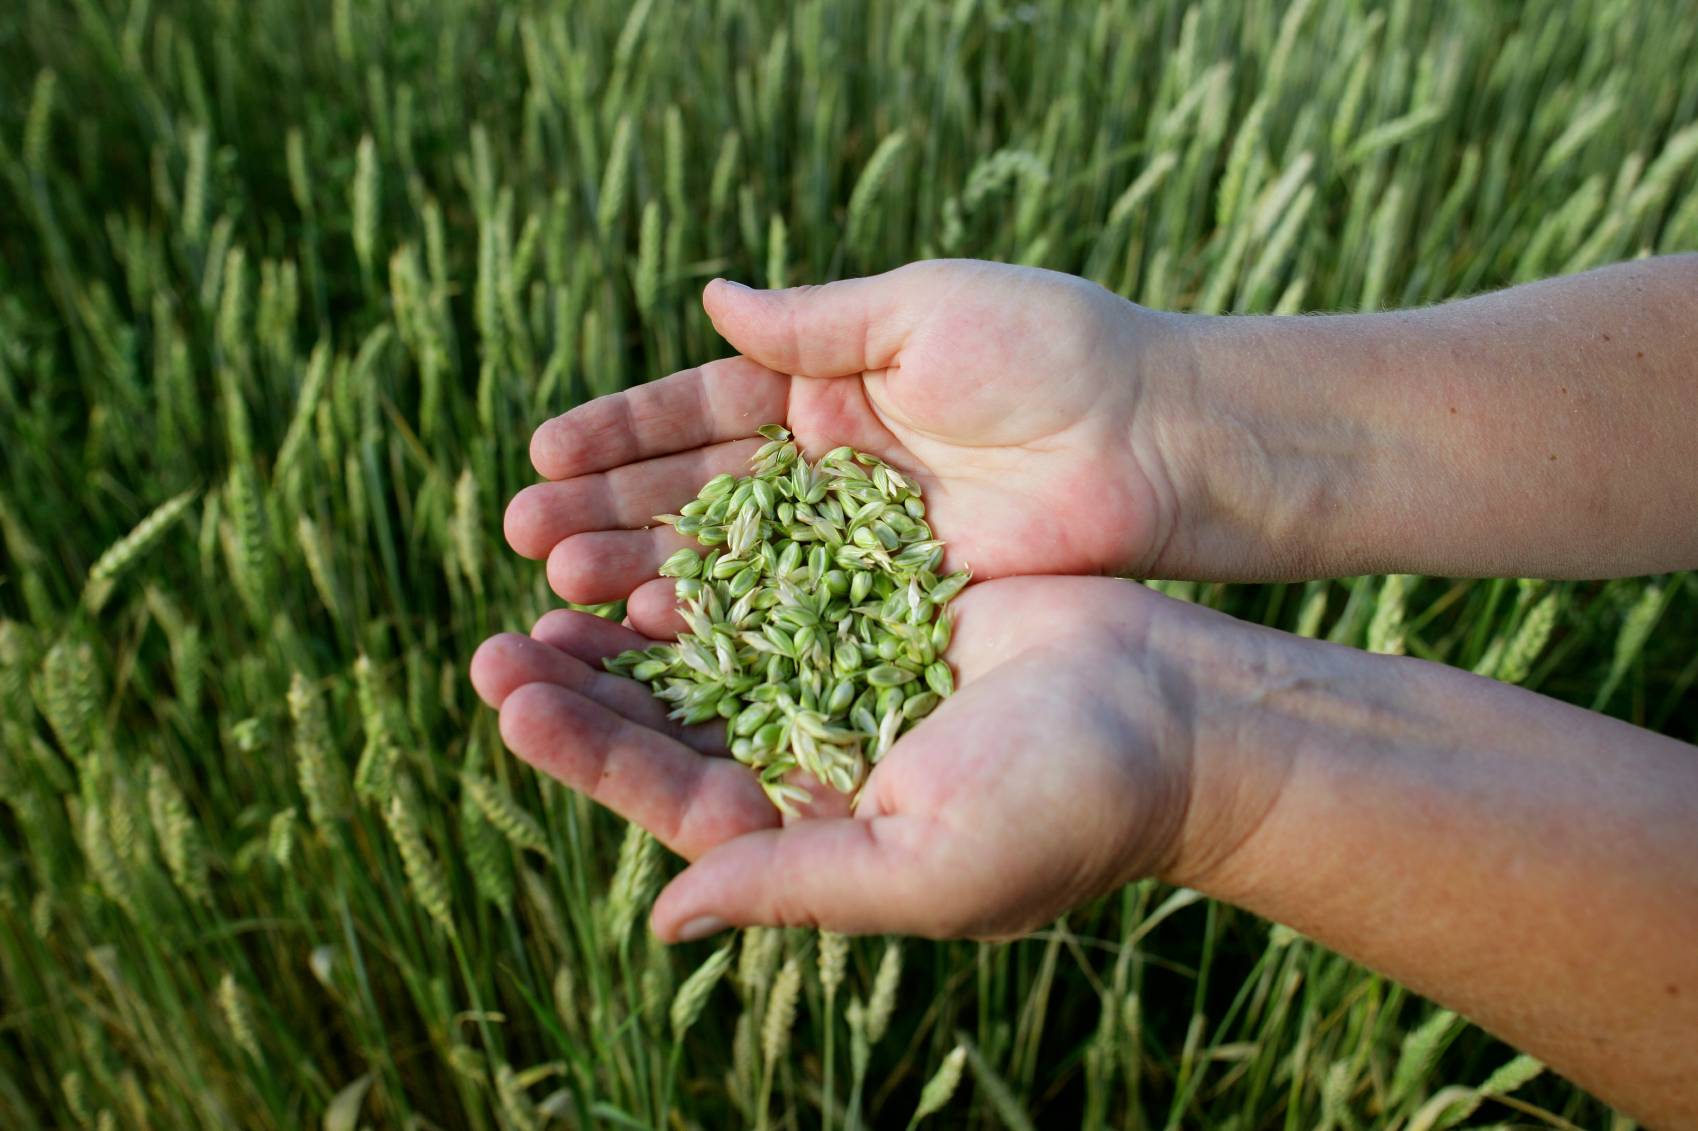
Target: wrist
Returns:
[1266, 712]
[1208, 699]
[1274, 449]
[1286, 729]
[1218, 671]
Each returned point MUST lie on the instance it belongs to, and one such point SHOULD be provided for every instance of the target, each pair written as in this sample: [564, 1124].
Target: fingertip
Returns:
[720, 287]
[570, 573]
[652, 609]
[490, 665]
[721, 299]
[588, 637]
[553, 624]
[543, 441]
[521, 712]
[700, 928]
[671, 910]
[521, 522]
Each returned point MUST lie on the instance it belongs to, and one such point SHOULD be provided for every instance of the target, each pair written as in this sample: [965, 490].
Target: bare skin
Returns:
[952, 374]
[1480, 843]
[1543, 431]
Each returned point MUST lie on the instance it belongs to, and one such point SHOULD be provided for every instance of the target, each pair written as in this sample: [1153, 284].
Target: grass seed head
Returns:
[781, 1011]
[941, 1087]
[692, 996]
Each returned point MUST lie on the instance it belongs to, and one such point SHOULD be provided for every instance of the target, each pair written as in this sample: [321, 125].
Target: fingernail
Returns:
[735, 284]
[701, 927]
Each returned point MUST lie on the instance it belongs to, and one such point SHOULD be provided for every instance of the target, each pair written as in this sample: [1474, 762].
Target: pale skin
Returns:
[1523, 861]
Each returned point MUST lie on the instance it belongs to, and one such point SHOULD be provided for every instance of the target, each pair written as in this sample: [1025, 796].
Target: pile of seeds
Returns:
[816, 618]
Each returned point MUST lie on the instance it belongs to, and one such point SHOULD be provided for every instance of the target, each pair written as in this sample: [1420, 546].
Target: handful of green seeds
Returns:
[816, 619]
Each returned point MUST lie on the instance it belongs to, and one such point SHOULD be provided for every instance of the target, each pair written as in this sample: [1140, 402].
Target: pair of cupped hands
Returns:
[1065, 764]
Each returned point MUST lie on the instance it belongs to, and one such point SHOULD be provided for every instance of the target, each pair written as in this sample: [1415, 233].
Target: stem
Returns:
[671, 1076]
[853, 1119]
[828, 1099]
[766, 1096]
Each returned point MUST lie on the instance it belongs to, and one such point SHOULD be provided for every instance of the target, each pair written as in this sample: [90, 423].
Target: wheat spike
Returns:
[781, 1012]
[306, 410]
[1142, 186]
[645, 276]
[104, 863]
[66, 695]
[178, 834]
[295, 158]
[634, 881]
[16, 645]
[724, 173]
[233, 1003]
[280, 837]
[1529, 640]
[374, 776]
[1421, 1047]
[941, 1087]
[231, 334]
[504, 813]
[127, 550]
[1242, 166]
[38, 122]
[674, 160]
[758, 957]
[424, 872]
[194, 186]
[315, 551]
[75, 1091]
[125, 823]
[468, 533]
[248, 553]
[833, 962]
[487, 856]
[1385, 630]
[692, 996]
[656, 988]
[610, 202]
[365, 203]
[882, 1003]
[318, 769]
[864, 197]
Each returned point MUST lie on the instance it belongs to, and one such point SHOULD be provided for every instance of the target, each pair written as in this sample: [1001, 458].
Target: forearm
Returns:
[1547, 430]
[1529, 864]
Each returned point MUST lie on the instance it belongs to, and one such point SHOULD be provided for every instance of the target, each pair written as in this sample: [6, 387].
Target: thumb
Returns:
[836, 329]
[873, 875]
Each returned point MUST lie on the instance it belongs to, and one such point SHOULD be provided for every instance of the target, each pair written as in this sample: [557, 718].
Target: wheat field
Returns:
[285, 285]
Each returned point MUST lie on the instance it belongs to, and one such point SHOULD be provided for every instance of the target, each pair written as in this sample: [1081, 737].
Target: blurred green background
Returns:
[307, 274]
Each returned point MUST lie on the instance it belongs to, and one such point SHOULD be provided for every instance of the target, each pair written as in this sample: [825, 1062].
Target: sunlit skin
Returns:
[1013, 399]
[929, 851]
[1477, 842]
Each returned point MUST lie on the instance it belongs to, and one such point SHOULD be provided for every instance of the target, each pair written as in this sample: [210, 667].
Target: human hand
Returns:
[1062, 768]
[1014, 395]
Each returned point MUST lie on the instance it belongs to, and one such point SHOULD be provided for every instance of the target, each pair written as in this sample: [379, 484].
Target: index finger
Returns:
[723, 400]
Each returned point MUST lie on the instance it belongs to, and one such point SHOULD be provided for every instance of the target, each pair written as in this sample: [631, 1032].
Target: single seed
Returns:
[686, 563]
[939, 678]
[889, 675]
[719, 485]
